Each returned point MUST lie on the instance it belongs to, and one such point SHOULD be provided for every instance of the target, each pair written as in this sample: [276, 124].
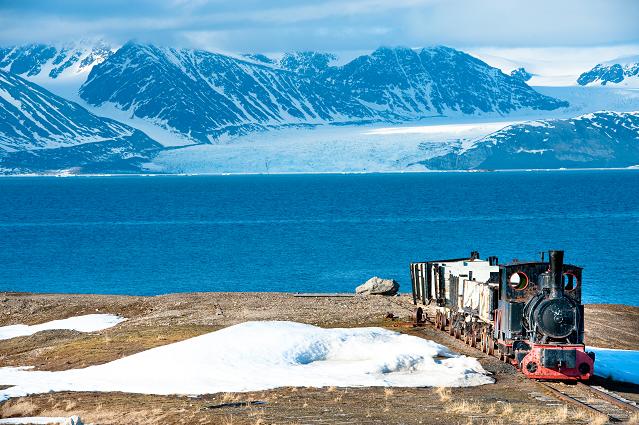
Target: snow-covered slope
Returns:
[209, 97]
[54, 65]
[619, 72]
[601, 139]
[40, 131]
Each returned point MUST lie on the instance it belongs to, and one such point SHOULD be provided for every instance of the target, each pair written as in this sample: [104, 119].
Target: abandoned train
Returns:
[527, 313]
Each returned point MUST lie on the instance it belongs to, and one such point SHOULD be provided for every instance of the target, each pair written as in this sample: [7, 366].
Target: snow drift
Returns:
[263, 355]
[618, 365]
[86, 323]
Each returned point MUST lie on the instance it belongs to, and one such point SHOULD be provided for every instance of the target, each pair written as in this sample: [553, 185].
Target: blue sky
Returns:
[281, 25]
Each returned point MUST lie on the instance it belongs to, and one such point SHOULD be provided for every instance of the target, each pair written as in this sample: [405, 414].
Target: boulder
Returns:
[378, 286]
[74, 420]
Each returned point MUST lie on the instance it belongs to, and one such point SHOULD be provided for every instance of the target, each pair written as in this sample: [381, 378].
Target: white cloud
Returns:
[254, 25]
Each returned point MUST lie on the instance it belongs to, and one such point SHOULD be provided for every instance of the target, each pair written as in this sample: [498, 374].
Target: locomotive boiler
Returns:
[526, 313]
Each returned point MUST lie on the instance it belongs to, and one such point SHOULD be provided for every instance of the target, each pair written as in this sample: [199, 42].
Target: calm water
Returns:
[309, 233]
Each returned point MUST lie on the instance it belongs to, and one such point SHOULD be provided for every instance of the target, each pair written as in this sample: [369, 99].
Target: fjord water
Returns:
[308, 233]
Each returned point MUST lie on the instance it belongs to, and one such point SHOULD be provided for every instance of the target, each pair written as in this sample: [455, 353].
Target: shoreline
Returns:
[312, 173]
[294, 294]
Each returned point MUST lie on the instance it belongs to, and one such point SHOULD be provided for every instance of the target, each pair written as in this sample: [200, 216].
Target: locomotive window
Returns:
[518, 280]
[570, 282]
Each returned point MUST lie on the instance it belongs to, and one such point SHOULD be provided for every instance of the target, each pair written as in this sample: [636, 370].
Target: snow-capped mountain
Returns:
[601, 139]
[40, 131]
[44, 61]
[210, 96]
[622, 71]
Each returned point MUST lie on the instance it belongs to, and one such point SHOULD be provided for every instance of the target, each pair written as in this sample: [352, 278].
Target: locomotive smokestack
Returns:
[556, 273]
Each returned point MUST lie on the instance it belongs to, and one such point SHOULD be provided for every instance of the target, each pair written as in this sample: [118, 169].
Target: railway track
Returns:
[597, 401]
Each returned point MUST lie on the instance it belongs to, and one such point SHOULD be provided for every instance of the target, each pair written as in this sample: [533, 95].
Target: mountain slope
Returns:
[601, 139]
[622, 71]
[40, 131]
[209, 96]
[53, 61]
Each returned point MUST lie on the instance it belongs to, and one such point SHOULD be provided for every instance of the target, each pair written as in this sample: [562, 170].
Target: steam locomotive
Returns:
[526, 313]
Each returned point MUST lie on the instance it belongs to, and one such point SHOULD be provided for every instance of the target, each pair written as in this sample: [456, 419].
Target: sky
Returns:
[348, 25]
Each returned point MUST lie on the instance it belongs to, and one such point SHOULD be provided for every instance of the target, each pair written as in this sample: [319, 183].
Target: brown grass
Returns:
[633, 419]
[464, 408]
[444, 394]
[18, 407]
[230, 397]
[506, 409]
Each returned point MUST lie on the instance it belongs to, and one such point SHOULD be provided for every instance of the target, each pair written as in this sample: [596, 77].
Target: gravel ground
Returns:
[160, 320]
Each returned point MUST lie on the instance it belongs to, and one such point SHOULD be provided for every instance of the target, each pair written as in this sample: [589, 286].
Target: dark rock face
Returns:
[209, 96]
[41, 132]
[602, 139]
[603, 74]
[521, 74]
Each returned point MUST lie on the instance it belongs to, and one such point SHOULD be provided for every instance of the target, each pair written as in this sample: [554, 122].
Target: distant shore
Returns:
[294, 173]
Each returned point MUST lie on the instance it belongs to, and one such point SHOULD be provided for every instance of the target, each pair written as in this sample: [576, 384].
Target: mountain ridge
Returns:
[42, 132]
[211, 96]
[601, 139]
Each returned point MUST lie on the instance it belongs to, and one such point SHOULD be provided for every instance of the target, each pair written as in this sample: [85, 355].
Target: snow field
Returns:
[256, 356]
[327, 149]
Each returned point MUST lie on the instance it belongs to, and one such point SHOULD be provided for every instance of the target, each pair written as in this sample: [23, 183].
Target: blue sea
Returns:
[309, 233]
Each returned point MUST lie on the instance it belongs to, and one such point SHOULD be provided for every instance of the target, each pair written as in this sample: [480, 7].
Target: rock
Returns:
[378, 286]
[74, 420]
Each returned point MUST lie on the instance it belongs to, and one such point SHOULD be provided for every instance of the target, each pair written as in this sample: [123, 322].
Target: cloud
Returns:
[253, 25]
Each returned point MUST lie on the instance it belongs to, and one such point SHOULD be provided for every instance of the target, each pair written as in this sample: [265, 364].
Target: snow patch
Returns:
[619, 365]
[86, 323]
[36, 420]
[256, 356]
